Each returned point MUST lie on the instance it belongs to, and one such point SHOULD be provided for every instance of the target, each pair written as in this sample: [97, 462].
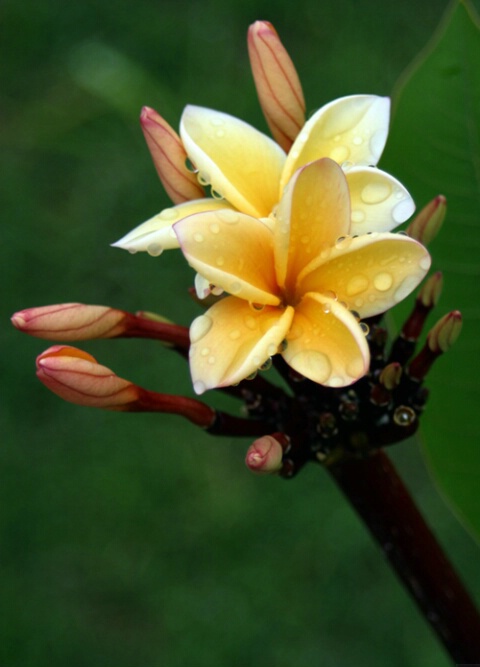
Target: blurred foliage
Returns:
[435, 143]
[135, 539]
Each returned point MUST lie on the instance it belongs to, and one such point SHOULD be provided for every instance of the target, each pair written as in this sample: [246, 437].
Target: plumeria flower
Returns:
[294, 279]
[248, 171]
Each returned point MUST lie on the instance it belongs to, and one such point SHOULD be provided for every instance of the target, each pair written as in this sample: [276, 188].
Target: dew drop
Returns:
[359, 302]
[266, 366]
[365, 328]
[404, 416]
[355, 314]
[257, 361]
[205, 352]
[357, 284]
[203, 178]
[403, 210]
[375, 193]
[343, 242]
[383, 281]
[256, 306]
[198, 237]
[216, 121]
[154, 249]
[189, 166]
[169, 214]
[283, 345]
[211, 360]
[252, 376]
[294, 154]
[425, 263]
[357, 141]
[250, 322]
[235, 334]
[217, 195]
[235, 288]
[220, 261]
[200, 327]
[355, 368]
[326, 307]
[132, 251]
[330, 294]
[358, 215]
[199, 387]
[220, 133]
[230, 217]
[340, 154]
[303, 137]
[272, 349]
[336, 381]
[214, 228]
[316, 363]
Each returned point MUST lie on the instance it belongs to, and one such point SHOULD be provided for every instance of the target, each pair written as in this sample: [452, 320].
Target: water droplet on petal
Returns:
[235, 288]
[217, 195]
[230, 217]
[355, 314]
[358, 215]
[154, 249]
[326, 307]
[375, 193]
[355, 367]
[404, 416]
[205, 352]
[200, 327]
[336, 381]
[250, 322]
[357, 284]
[283, 345]
[256, 306]
[339, 154]
[198, 237]
[357, 141]
[365, 328]
[403, 210]
[343, 242]
[272, 349]
[199, 387]
[266, 365]
[317, 363]
[359, 302]
[169, 214]
[330, 294]
[211, 360]
[132, 251]
[214, 228]
[220, 133]
[203, 178]
[190, 166]
[235, 334]
[383, 281]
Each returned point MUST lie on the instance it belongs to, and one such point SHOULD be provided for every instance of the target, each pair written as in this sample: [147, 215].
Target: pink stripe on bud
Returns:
[71, 321]
[277, 83]
[169, 158]
[426, 224]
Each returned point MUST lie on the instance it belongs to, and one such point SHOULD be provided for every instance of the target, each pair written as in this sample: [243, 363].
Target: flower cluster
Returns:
[292, 239]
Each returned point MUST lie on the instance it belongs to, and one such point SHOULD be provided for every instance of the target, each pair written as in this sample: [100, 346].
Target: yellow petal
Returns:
[370, 273]
[326, 343]
[350, 130]
[232, 340]
[313, 212]
[379, 202]
[239, 162]
[156, 234]
[232, 251]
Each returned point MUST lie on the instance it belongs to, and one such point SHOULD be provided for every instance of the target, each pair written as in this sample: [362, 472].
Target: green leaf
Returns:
[434, 148]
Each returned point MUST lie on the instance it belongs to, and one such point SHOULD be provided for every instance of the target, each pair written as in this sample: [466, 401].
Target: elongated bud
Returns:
[277, 83]
[431, 290]
[439, 340]
[390, 376]
[169, 158]
[428, 222]
[264, 456]
[76, 377]
[71, 321]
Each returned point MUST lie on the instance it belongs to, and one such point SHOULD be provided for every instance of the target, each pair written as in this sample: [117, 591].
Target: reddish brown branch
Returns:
[375, 490]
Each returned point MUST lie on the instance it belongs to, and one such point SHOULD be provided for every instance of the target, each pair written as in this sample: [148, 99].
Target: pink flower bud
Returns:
[76, 377]
[71, 321]
[264, 456]
[428, 222]
[278, 86]
[169, 158]
[445, 332]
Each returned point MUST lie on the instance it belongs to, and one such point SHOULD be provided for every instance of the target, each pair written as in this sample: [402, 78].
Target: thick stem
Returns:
[375, 490]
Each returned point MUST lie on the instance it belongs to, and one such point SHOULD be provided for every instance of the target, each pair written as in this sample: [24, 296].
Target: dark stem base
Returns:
[377, 493]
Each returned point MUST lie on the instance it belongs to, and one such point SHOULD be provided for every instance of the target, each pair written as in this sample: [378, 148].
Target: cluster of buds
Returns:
[308, 421]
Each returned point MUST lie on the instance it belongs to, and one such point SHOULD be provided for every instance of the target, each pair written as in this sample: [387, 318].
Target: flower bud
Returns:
[71, 321]
[428, 222]
[76, 377]
[431, 290]
[277, 83]
[169, 158]
[264, 456]
[445, 332]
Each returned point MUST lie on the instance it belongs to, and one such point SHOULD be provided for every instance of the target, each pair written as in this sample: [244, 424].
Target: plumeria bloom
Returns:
[247, 171]
[294, 280]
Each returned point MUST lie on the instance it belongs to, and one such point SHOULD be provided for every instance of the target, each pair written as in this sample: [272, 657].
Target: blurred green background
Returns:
[136, 540]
